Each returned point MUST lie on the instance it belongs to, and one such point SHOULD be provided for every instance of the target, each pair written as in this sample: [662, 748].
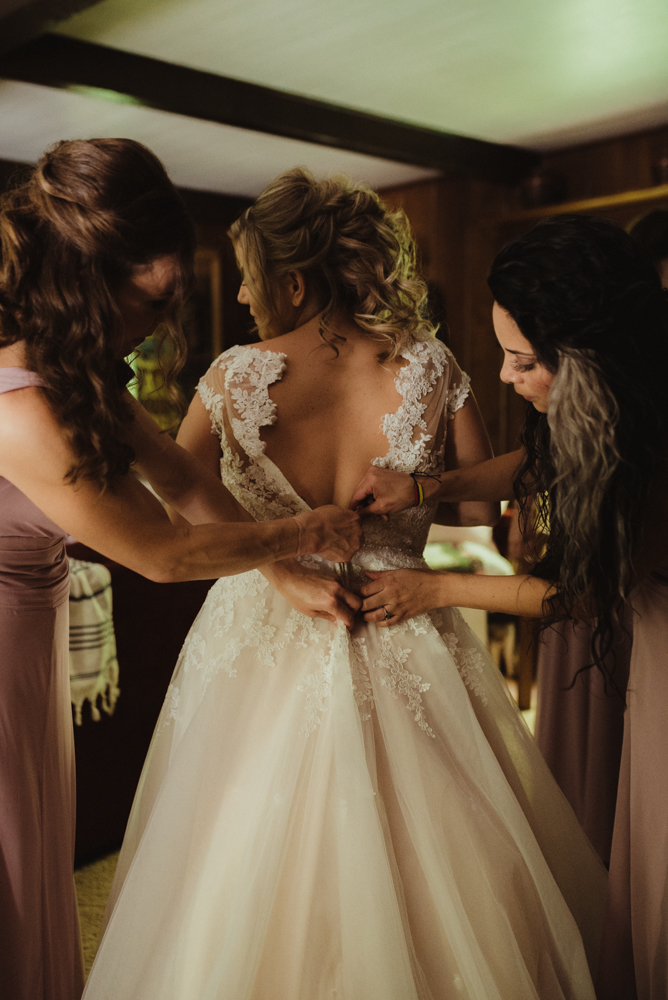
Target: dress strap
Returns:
[18, 378]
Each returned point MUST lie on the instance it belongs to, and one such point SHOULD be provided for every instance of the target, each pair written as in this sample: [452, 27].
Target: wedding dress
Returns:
[326, 815]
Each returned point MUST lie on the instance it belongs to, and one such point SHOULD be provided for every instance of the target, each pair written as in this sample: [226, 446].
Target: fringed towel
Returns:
[93, 663]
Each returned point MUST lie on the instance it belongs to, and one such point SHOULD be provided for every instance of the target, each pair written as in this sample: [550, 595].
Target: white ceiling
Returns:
[197, 154]
[539, 73]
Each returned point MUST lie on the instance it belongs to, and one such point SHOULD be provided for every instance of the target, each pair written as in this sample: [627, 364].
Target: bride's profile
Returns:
[325, 812]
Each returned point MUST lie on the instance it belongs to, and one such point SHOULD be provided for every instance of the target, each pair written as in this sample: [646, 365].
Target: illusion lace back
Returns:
[324, 814]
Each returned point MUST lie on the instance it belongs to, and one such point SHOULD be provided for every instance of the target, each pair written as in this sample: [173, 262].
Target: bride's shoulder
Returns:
[430, 351]
[247, 357]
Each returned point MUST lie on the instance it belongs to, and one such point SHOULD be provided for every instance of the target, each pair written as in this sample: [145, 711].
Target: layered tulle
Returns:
[361, 816]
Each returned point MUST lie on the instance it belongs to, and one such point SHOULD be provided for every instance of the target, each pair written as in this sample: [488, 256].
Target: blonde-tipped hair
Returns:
[356, 254]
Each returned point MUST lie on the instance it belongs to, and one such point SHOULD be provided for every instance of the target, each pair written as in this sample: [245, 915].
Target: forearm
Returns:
[209, 551]
[189, 486]
[512, 595]
[208, 503]
[468, 514]
[193, 491]
[490, 481]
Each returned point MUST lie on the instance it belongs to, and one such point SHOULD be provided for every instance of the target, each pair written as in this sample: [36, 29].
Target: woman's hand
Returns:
[312, 593]
[330, 532]
[385, 492]
[403, 593]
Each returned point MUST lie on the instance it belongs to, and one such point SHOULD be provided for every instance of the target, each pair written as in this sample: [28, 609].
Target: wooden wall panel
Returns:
[609, 167]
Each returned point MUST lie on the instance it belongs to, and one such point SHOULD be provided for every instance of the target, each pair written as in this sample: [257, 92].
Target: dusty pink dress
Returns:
[40, 950]
[634, 953]
[579, 729]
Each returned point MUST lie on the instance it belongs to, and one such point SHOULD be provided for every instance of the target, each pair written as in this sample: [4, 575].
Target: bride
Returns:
[326, 812]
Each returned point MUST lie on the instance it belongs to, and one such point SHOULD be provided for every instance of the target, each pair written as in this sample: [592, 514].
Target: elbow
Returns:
[160, 574]
[164, 567]
[477, 515]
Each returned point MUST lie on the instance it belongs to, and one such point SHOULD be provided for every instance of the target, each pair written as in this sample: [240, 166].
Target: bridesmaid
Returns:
[583, 321]
[580, 722]
[96, 251]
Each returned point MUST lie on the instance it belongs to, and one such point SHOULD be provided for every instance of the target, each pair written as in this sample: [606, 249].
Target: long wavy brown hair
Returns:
[92, 213]
[357, 255]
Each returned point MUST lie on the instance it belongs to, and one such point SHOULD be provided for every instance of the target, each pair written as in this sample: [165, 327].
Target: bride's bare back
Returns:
[325, 413]
[329, 411]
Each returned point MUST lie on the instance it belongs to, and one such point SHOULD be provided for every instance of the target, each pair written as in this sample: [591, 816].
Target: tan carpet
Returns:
[93, 884]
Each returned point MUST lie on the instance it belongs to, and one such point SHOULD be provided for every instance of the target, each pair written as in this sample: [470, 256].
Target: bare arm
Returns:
[489, 481]
[186, 474]
[467, 445]
[407, 592]
[126, 523]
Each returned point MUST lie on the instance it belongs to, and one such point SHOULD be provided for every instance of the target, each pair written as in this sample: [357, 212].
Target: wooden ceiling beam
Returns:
[23, 20]
[60, 61]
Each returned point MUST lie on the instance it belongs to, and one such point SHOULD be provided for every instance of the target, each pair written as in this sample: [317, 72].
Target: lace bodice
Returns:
[235, 392]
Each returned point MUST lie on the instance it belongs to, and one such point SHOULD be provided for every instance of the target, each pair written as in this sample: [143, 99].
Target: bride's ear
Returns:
[296, 287]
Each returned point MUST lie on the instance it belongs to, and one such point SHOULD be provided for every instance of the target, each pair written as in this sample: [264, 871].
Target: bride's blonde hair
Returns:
[357, 255]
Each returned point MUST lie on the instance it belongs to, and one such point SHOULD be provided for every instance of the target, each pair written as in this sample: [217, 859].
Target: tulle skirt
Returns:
[355, 816]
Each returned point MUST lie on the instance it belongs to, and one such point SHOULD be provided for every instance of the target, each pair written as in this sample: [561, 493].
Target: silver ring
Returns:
[387, 614]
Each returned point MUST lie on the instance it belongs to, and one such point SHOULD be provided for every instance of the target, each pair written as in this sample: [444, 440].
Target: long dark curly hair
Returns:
[586, 297]
[92, 212]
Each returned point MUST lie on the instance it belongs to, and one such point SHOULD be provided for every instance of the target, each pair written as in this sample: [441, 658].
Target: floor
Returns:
[93, 884]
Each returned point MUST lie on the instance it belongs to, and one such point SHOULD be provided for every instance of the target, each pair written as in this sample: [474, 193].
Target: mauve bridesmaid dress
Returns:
[40, 947]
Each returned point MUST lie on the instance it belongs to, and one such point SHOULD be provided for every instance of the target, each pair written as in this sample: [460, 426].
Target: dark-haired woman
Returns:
[583, 321]
[96, 250]
[327, 814]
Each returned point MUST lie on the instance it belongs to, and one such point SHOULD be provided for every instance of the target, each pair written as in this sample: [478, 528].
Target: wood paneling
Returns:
[612, 166]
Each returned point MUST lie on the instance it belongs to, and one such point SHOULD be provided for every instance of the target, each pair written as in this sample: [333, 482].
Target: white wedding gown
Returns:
[335, 816]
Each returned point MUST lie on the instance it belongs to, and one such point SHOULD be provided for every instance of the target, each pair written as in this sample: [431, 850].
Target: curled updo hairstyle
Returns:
[356, 254]
[91, 214]
[589, 301]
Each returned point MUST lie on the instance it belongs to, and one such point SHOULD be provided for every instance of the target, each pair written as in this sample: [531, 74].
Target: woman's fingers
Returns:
[351, 600]
[382, 492]
[378, 618]
[364, 490]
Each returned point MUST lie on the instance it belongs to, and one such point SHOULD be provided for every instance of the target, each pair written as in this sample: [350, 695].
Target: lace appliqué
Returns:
[226, 592]
[414, 381]
[171, 705]
[469, 663]
[302, 629]
[400, 681]
[361, 682]
[458, 395]
[318, 689]
[254, 406]
[247, 374]
[318, 686]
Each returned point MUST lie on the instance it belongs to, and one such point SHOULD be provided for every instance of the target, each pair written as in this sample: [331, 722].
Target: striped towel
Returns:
[93, 663]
